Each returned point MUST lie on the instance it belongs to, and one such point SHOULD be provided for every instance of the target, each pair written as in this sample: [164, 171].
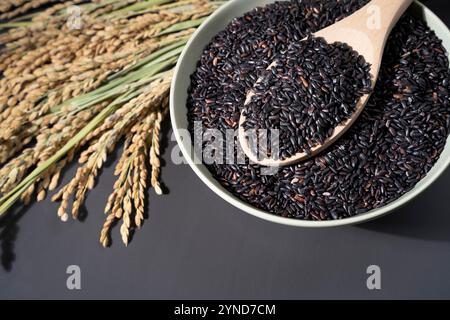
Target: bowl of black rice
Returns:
[392, 153]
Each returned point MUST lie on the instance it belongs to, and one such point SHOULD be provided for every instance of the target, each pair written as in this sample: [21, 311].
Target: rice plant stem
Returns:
[8, 200]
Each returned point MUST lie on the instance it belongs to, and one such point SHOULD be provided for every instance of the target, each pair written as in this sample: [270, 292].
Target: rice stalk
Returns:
[68, 94]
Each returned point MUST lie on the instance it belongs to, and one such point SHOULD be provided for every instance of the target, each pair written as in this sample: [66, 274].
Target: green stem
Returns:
[165, 50]
[17, 24]
[8, 200]
[154, 64]
[142, 5]
[182, 26]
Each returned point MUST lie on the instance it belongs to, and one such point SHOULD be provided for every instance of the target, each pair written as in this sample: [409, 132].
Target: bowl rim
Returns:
[226, 195]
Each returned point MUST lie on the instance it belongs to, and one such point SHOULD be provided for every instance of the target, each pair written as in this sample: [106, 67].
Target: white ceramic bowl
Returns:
[178, 112]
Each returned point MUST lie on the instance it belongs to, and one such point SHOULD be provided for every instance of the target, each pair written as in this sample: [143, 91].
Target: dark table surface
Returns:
[196, 246]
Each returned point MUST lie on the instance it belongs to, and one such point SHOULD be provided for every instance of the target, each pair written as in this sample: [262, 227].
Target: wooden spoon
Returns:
[366, 31]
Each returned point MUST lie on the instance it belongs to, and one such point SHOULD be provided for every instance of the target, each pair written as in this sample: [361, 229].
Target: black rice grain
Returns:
[313, 88]
[393, 144]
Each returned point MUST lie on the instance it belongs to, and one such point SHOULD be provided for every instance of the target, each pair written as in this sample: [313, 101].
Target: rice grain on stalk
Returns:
[75, 94]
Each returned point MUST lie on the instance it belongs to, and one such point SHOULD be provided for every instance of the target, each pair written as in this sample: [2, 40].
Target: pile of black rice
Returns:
[313, 87]
[391, 147]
